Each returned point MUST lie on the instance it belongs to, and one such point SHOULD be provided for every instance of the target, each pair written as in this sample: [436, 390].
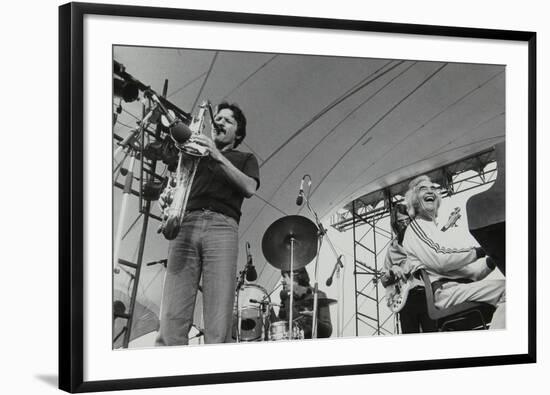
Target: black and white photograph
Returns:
[261, 197]
[257, 197]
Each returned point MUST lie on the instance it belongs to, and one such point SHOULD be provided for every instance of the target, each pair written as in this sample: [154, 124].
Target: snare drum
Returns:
[279, 331]
[253, 315]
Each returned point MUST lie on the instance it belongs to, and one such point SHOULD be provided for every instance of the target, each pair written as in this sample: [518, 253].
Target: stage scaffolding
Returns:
[150, 183]
[368, 219]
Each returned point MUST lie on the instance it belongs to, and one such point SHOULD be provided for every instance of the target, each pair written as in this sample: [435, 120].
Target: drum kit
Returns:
[289, 244]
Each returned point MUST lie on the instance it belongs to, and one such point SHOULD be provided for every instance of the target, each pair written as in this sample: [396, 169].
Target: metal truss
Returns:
[147, 175]
[368, 218]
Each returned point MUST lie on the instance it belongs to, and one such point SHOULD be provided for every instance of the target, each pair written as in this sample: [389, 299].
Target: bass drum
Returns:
[253, 314]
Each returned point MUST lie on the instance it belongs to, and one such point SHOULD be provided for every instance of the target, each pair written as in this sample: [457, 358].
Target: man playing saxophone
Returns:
[207, 242]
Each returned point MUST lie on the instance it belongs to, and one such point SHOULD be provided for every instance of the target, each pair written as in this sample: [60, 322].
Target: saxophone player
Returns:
[207, 242]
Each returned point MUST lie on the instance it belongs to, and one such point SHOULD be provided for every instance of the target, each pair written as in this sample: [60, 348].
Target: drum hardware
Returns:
[276, 242]
[250, 313]
[279, 330]
[322, 232]
[290, 243]
[308, 303]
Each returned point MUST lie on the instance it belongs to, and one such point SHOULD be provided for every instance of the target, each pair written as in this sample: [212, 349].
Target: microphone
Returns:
[119, 308]
[180, 132]
[251, 274]
[338, 263]
[300, 198]
[257, 301]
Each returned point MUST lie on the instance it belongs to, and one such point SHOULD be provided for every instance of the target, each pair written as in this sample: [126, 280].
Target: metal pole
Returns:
[315, 292]
[355, 267]
[291, 307]
[123, 207]
[142, 239]
[131, 309]
[376, 284]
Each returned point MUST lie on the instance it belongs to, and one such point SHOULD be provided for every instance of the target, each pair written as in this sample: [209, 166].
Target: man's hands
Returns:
[399, 272]
[207, 142]
[393, 275]
[166, 197]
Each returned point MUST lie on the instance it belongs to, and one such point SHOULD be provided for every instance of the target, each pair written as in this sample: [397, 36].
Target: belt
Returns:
[203, 209]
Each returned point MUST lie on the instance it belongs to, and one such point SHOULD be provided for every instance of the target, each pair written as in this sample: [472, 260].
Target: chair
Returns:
[460, 317]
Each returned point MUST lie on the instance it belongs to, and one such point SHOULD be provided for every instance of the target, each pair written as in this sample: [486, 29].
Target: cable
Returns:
[204, 81]
[123, 124]
[187, 84]
[252, 150]
[270, 204]
[431, 155]
[131, 226]
[250, 76]
[427, 122]
[357, 87]
[378, 122]
[349, 114]
[362, 84]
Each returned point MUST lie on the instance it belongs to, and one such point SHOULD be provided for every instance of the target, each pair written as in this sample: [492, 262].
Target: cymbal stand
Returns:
[322, 234]
[291, 304]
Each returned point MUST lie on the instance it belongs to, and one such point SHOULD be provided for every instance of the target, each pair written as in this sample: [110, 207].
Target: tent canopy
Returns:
[355, 125]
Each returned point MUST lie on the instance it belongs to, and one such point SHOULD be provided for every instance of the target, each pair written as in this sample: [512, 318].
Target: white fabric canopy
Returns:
[354, 125]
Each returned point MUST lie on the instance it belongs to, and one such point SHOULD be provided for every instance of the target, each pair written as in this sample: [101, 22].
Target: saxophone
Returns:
[179, 184]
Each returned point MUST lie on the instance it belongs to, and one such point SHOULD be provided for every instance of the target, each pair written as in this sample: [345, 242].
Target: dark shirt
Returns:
[213, 190]
[324, 324]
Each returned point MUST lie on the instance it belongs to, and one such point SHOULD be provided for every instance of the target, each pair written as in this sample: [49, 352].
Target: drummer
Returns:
[303, 304]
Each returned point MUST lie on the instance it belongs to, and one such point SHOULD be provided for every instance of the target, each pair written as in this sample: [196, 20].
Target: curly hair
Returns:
[239, 118]
[411, 196]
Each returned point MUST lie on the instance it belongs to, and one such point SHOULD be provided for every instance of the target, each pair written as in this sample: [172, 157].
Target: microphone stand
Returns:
[322, 234]
[134, 133]
[240, 282]
[336, 270]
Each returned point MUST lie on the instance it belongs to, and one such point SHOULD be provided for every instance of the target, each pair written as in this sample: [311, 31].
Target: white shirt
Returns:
[439, 254]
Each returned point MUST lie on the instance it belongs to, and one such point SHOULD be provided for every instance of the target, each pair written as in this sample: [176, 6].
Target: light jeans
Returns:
[206, 245]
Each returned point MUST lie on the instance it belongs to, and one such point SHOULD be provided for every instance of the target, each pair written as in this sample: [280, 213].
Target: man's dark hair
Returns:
[239, 118]
[398, 208]
[300, 276]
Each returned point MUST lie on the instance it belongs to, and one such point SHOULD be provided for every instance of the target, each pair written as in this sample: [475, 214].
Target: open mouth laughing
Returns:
[429, 198]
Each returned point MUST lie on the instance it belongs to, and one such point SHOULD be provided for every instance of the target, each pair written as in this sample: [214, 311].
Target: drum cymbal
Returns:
[308, 303]
[277, 238]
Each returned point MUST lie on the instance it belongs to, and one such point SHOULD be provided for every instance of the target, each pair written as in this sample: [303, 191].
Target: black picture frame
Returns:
[71, 194]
